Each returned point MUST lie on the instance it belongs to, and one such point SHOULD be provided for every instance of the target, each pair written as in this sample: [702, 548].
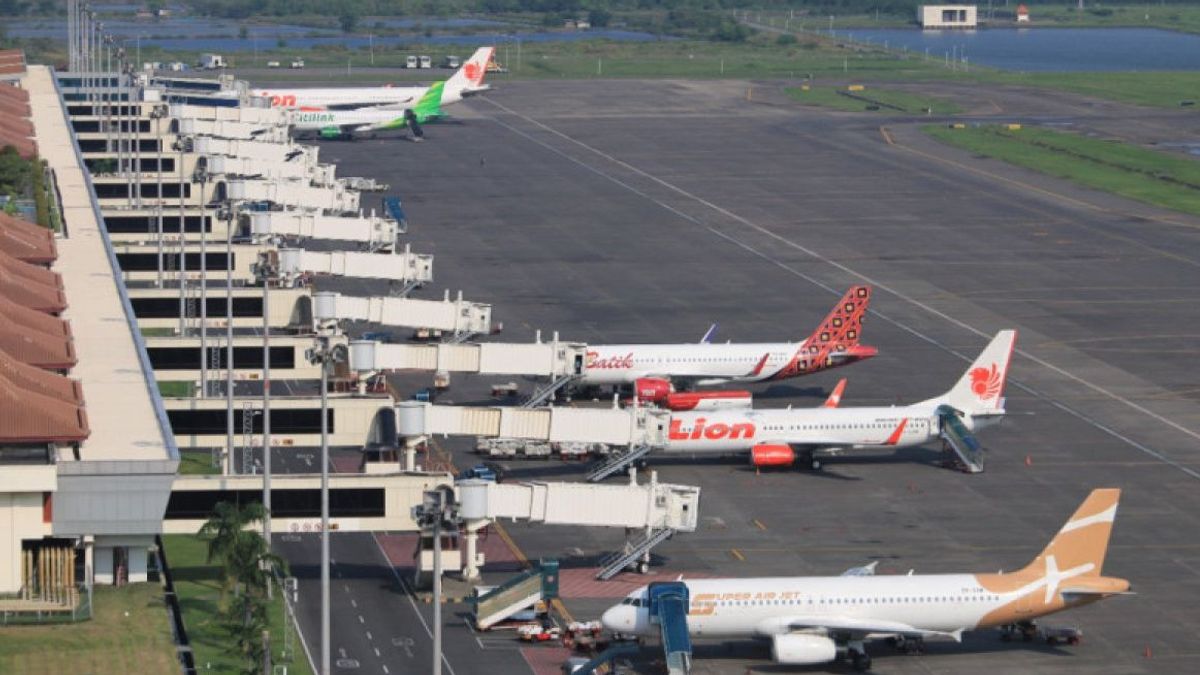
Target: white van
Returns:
[426, 62]
[410, 62]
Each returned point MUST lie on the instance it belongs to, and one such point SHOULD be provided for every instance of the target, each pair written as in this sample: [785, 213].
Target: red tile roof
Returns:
[27, 241]
[37, 348]
[42, 381]
[25, 291]
[28, 416]
[30, 272]
[20, 315]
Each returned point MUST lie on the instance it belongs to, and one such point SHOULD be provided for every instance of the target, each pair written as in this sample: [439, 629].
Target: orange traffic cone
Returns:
[1028, 460]
[1147, 653]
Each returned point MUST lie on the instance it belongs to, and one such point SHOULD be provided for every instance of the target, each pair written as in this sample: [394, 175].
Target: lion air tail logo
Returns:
[986, 382]
[473, 71]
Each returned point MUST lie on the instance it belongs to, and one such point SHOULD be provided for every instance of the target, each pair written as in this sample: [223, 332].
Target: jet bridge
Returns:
[265, 116]
[650, 507]
[539, 359]
[260, 150]
[255, 167]
[404, 268]
[374, 231]
[242, 131]
[459, 316]
[335, 198]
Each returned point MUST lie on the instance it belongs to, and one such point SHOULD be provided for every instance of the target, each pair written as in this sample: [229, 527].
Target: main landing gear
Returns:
[857, 657]
[808, 458]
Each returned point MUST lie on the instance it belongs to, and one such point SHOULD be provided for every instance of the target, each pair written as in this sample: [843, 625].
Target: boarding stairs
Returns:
[960, 439]
[460, 337]
[516, 594]
[607, 657]
[612, 565]
[618, 461]
[393, 208]
[668, 609]
[547, 392]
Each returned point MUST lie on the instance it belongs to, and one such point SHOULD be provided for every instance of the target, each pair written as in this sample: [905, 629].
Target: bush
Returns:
[786, 40]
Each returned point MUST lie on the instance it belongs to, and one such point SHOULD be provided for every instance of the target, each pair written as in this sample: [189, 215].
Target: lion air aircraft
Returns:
[780, 437]
[466, 80]
[812, 620]
[654, 369]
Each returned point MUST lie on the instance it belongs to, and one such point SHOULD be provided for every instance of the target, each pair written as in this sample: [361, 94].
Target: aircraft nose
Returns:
[620, 618]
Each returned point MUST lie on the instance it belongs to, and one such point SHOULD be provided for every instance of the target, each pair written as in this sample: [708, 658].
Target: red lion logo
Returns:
[986, 382]
[471, 70]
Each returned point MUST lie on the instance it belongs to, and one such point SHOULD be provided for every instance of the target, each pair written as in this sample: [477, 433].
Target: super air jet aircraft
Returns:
[812, 620]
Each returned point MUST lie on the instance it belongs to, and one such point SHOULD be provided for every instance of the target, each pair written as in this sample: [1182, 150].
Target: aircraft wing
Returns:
[867, 570]
[846, 624]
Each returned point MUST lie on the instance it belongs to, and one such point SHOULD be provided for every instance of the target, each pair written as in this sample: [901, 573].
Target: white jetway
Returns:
[458, 316]
[375, 231]
[658, 509]
[402, 267]
[264, 115]
[244, 131]
[261, 150]
[335, 198]
[614, 426]
[555, 359]
[268, 169]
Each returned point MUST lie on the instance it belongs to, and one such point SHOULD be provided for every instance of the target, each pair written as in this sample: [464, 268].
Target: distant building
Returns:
[947, 16]
[1022, 14]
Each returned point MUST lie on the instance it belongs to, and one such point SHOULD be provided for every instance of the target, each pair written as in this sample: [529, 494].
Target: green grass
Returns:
[197, 463]
[198, 585]
[1148, 176]
[835, 97]
[1157, 89]
[175, 389]
[129, 633]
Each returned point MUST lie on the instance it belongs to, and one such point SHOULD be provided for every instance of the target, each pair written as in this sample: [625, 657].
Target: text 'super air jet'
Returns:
[343, 112]
[653, 370]
[812, 620]
[784, 436]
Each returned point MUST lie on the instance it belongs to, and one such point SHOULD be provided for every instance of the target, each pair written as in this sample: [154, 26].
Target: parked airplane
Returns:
[467, 80]
[780, 437]
[812, 620]
[654, 369]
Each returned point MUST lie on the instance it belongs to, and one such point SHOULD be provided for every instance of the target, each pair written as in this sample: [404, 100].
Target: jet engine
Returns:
[772, 455]
[800, 650]
[651, 389]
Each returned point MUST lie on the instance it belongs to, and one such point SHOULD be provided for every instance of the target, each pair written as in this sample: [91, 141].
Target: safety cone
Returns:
[1028, 460]
[1147, 653]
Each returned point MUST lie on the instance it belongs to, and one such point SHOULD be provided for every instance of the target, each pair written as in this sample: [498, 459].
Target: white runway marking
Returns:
[850, 271]
[413, 603]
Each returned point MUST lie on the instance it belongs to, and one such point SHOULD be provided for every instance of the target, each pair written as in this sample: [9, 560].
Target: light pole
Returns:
[437, 511]
[323, 355]
[230, 217]
[180, 144]
[266, 270]
[201, 175]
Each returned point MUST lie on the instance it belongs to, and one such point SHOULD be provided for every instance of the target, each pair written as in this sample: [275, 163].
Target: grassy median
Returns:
[1149, 176]
[129, 632]
[198, 585]
[888, 101]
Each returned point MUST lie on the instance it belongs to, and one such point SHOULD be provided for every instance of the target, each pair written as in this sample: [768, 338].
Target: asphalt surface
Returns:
[616, 211]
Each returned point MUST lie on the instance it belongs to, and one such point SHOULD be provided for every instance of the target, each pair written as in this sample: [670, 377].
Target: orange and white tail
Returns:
[469, 77]
[1082, 543]
[980, 390]
[835, 342]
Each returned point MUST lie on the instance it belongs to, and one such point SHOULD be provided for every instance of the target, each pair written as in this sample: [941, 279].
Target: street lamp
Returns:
[437, 511]
[324, 355]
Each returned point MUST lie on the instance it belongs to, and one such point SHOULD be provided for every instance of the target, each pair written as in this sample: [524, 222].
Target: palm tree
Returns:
[229, 540]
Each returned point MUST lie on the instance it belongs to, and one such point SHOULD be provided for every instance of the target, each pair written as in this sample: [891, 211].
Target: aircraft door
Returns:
[579, 364]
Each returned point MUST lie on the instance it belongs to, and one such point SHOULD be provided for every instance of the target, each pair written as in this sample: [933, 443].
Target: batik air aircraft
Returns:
[653, 370]
[812, 620]
[783, 436]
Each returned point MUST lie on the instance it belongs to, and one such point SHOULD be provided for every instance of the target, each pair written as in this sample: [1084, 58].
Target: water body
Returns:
[1050, 49]
[221, 35]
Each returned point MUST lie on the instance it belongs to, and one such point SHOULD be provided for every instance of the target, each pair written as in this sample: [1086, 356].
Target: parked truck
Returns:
[211, 61]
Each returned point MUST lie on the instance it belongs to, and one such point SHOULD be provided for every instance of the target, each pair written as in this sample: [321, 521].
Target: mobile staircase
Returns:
[514, 595]
[630, 554]
[618, 461]
[960, 439]
[668, 609]
[393, 208]
[606, 657]
[548, 391]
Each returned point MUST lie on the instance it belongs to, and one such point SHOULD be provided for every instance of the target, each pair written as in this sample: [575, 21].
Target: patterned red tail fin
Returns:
[835, 342]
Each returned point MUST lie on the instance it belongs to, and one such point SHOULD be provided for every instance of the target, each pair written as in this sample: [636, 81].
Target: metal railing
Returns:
[39, 613]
